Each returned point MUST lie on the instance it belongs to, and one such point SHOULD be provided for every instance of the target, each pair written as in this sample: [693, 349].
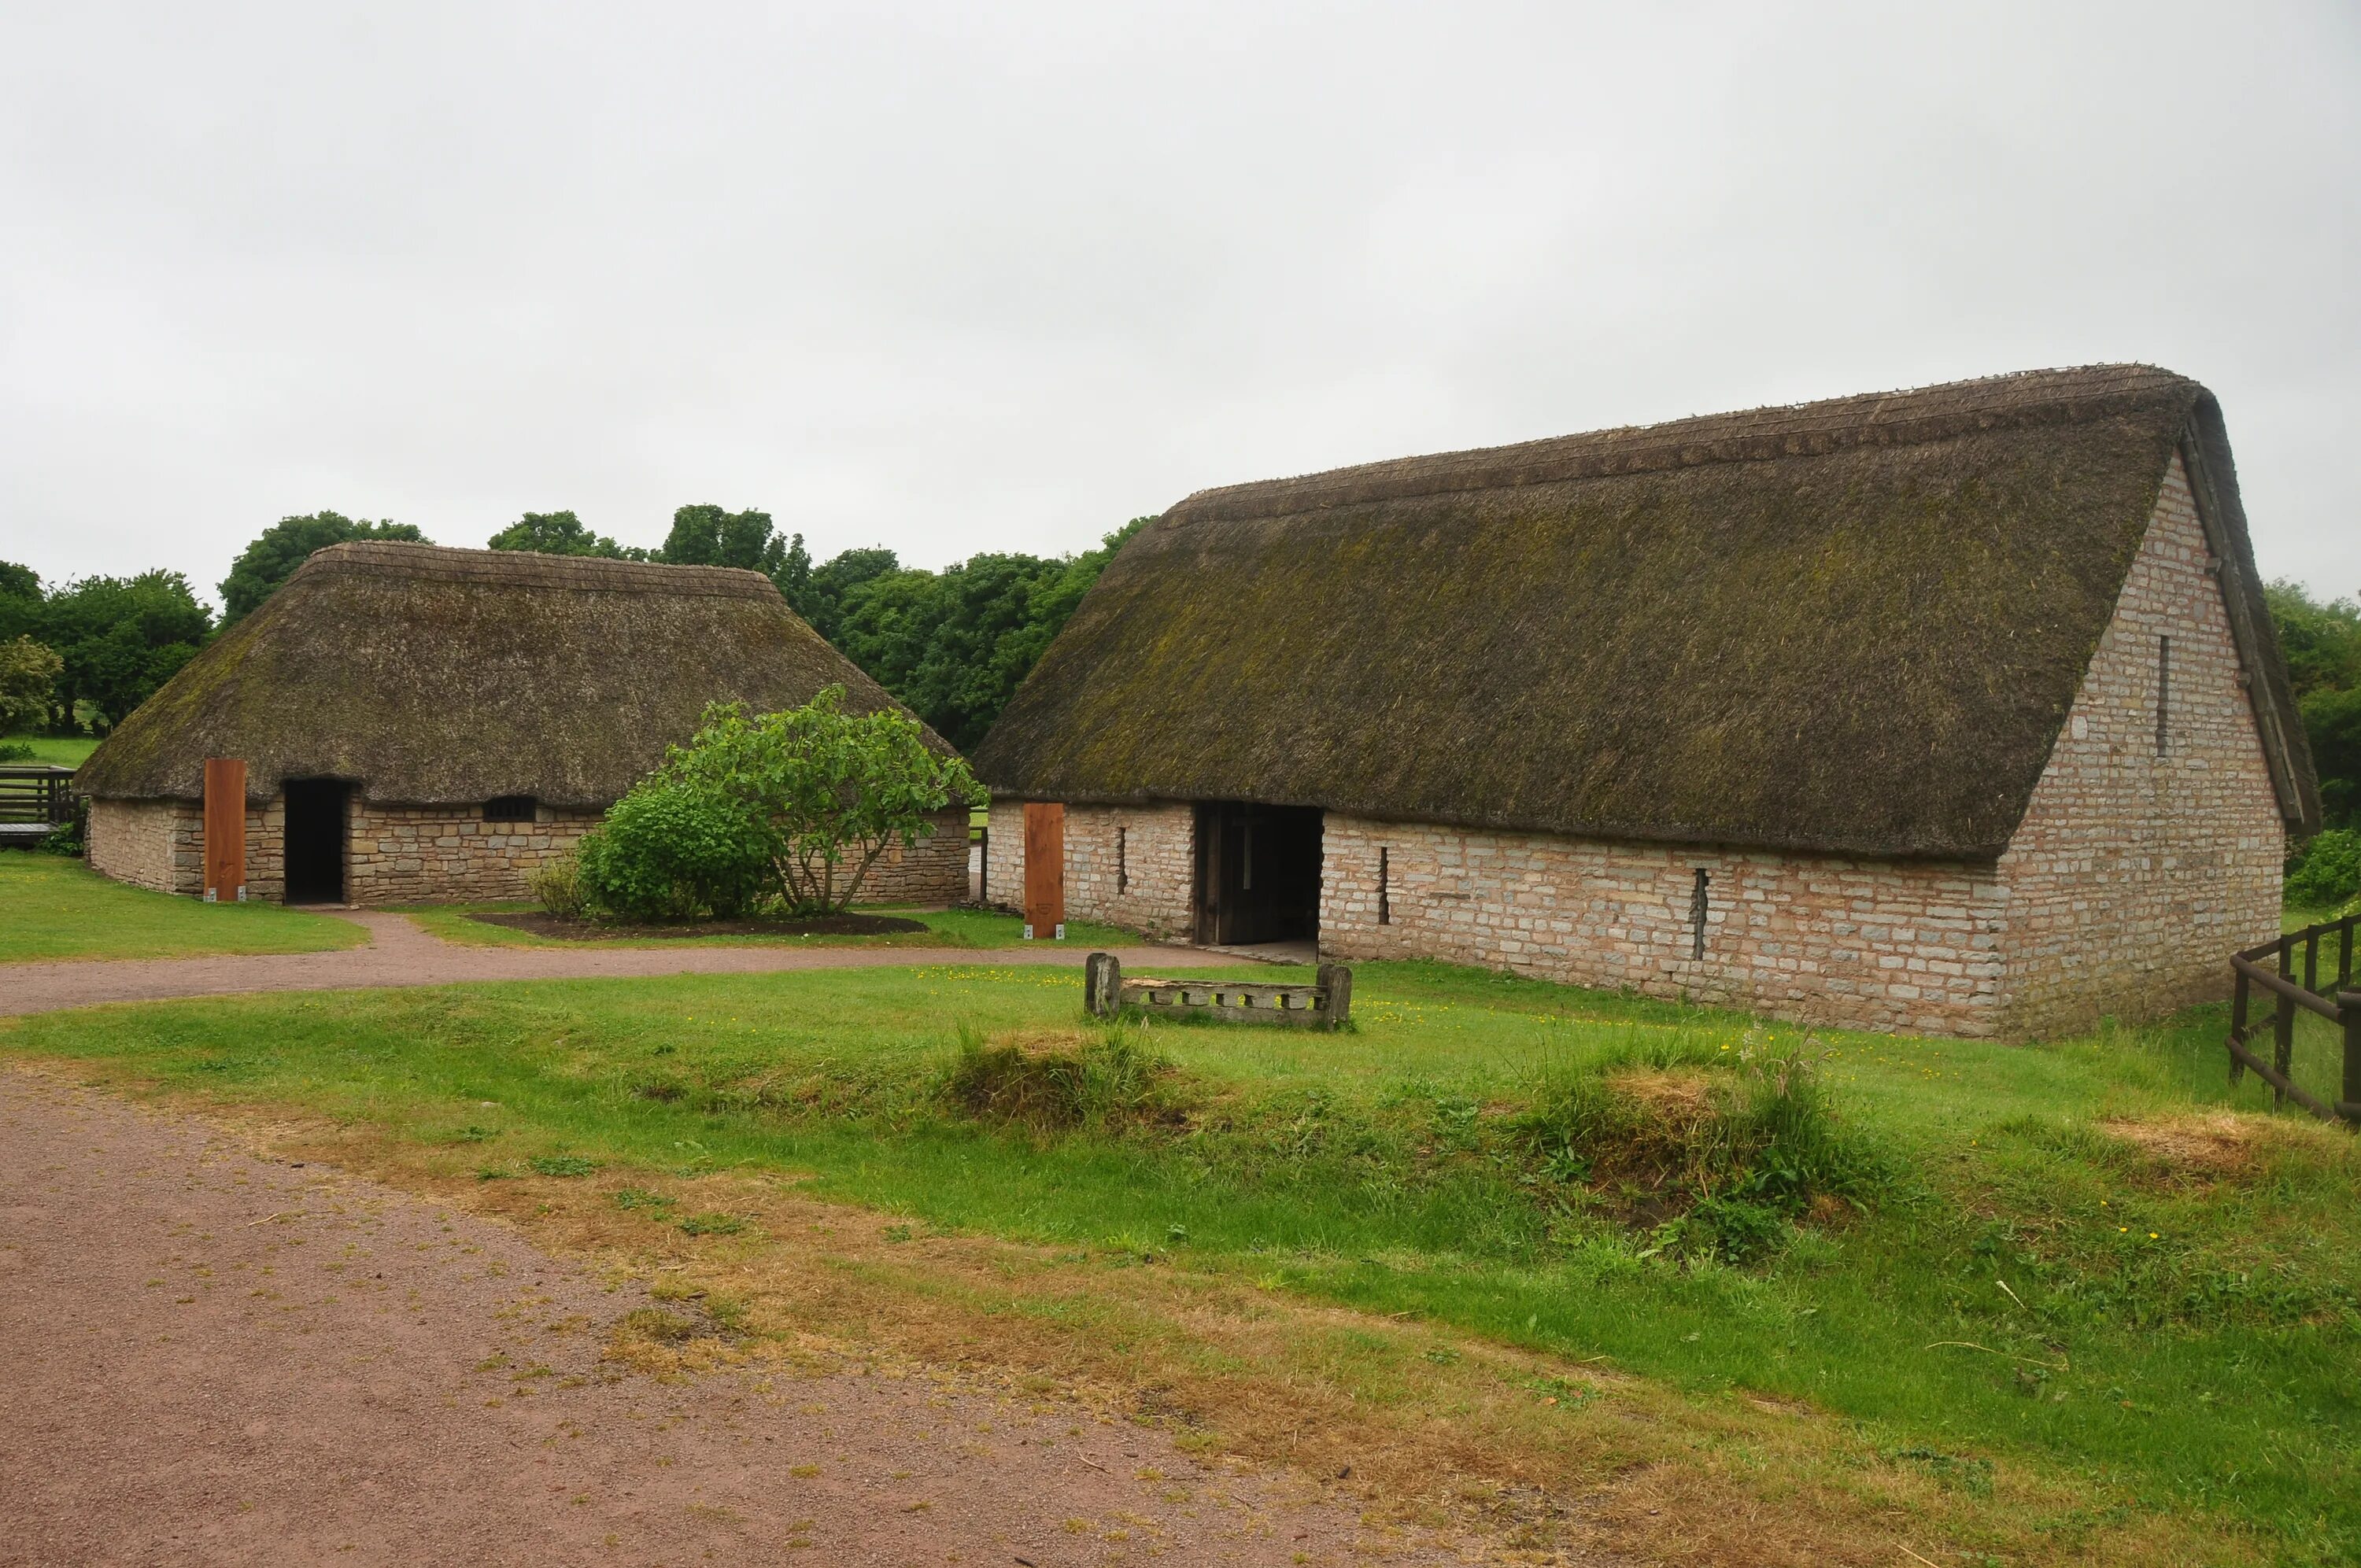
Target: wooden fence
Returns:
[36, 794]
[1326, 1003]
[2337, 1002]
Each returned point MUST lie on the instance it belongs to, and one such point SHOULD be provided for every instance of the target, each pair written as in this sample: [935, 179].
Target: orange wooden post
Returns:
[224, 831]
[1045, 870]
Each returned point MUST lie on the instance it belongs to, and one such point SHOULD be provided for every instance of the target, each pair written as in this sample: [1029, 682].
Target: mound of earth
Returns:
[542, 924]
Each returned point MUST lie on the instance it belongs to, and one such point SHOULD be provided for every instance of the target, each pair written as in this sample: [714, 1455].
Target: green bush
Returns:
[671, 850]
[2326, 873]
[557, 888]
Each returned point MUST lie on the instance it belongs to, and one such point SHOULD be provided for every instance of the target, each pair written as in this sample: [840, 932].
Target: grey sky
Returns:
[962, 277]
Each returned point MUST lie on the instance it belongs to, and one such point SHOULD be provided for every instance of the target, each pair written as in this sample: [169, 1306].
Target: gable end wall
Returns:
[2134, 875]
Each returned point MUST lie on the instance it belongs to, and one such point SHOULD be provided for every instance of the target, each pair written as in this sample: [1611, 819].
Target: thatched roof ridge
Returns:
[438, 676]
[1849, 627]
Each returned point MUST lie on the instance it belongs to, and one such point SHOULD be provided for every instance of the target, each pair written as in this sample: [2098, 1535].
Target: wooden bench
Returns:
[1326, 1003]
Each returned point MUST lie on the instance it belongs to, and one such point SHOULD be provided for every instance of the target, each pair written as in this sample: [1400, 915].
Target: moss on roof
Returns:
[1849, 627]
[429, 676]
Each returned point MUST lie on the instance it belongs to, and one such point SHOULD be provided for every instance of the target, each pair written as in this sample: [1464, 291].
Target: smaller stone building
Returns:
[420, 724]
[1954, 711]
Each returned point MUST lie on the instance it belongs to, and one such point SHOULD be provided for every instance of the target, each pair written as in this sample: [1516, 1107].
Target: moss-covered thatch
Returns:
[428, 675]
[1852, 626]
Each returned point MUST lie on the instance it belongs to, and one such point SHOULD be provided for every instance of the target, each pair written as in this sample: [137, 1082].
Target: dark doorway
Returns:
[315, 841]
[1257, 873]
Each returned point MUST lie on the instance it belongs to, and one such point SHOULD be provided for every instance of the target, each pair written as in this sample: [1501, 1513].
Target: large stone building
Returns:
[1953, 711]
[420, 723]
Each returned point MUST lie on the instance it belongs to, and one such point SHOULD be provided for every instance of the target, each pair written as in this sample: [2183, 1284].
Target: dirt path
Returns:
[211, 1358]
[401, 953]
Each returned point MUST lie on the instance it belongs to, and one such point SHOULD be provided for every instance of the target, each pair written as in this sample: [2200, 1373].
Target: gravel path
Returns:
[401, 953]
[216, 1358]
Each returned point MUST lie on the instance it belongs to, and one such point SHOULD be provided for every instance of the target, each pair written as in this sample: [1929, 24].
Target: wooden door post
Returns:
[1045, 870]
[224, 856]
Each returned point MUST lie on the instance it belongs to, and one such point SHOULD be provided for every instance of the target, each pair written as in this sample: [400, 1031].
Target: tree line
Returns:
[952, 644]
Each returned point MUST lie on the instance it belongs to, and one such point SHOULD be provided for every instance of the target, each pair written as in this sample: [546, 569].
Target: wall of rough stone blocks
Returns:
[412, 854]
[156, 844]
[1866, 945]
[2137, 873]
[1133, 866]
[407, 854]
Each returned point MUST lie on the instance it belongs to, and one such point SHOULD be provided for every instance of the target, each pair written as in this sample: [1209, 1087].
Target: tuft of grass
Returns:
[1102, 1078]
[563, 1164]
[712, 1224]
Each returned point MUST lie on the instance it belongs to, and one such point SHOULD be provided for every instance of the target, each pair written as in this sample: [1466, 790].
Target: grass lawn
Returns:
[2079, 1302]
[55, 907]
[980, 928]
[64, 752]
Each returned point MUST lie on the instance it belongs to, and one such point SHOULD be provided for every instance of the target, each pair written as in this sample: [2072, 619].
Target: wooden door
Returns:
[225, 829]
[1045, 870]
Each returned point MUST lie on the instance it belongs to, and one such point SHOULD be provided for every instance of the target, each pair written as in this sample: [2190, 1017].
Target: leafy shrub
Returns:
[15, 751]
[672, 848]
[557, 888]
[68, 838]
[2326, 873]
[823, 794]
[1099, 1078]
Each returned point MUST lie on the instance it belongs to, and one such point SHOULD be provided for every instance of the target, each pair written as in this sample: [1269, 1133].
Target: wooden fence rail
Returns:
[2337, 1002]
[37, 794]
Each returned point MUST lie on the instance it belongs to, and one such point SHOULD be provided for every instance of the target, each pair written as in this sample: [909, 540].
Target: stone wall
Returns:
[412, 854]
[2138, 871]
[156, 844]
[1133, 866]
[161, 844]
[409, 854]
[934, 871]
[1866, 945]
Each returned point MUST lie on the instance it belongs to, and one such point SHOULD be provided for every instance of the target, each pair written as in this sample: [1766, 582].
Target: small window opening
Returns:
[2163, 690]
[1123, 860]
[1696, 914]
[1385, 890]
[510, 808]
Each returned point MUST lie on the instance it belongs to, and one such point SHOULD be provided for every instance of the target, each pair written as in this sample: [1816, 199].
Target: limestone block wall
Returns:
[1865, 945]
[161, 844]
[933, 871]
[409, 854]
[1133, 866]
[2140, 867]
[156, 844]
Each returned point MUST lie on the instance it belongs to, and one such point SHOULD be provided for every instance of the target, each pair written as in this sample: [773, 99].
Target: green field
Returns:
[980, 928]
[55, 907]
[64, 752]
[2057, 1282]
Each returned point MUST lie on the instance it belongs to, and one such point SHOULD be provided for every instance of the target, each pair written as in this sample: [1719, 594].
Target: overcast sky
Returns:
[974, 277]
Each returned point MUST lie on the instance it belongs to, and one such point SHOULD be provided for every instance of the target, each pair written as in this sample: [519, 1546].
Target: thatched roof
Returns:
[1852, 626]
[433, 676]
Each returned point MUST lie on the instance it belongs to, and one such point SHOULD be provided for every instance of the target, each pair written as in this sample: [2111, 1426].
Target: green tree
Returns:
[2321, 638]
[710, 536]
[286, 544]
[28, 684]
[120, 637]
[830, 791]
[560, 533]
[953, 645]
[20, 599]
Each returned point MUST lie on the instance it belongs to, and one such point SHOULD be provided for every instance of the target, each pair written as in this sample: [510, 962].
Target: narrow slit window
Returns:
[1696, 914]
[1385, 899]
[1123, 860]
[510, 808]
[2163, 690]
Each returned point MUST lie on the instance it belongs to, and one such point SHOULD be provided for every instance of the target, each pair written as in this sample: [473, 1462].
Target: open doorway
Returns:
[315, 840]
[1257, 873]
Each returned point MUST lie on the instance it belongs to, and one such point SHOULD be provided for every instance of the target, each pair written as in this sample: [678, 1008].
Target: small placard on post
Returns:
[224, 826]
